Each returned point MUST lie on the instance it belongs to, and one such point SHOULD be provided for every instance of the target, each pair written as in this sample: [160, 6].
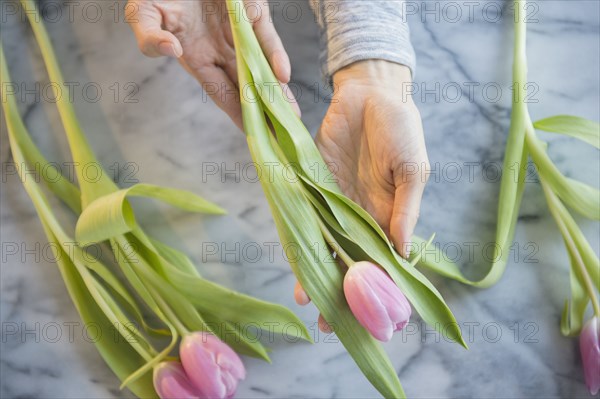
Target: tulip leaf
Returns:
[574, 126]
[223, 329]
[299, 148]
[127, 300]
[416, 258]
[175, 257]
[119, 319]
[573, 314]
[118, 354]
[49, 173]
[234, 307]
[582, 246]
[578, 196]
[81, 151]
[170, 296]
[180, 302]
[583, 260]
[112, 215]
[238, 308]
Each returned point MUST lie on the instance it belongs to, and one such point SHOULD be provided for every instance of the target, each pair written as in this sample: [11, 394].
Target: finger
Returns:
[300, 295]
[407, 204]
[217, 84]
[323, 325]
[153, 41]
[291, 98]
[269, 40]
[230, 68]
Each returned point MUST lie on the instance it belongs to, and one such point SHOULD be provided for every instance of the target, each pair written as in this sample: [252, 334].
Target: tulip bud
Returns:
[590, 354]
[376, 301]
[212, 366]
[171, 382]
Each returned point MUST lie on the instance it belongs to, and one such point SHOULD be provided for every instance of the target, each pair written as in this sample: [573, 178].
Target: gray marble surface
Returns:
[172, 135]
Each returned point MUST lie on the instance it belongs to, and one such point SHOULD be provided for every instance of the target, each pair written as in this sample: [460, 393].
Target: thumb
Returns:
[152, 40]
[407, 204]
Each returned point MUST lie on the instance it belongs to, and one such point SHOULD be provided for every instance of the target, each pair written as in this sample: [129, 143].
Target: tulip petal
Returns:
[199, 363]
[375, 300]
[590, 354]
[171, 381]
[213, 367]
[366, 305]
[397, 305]
[232, 364]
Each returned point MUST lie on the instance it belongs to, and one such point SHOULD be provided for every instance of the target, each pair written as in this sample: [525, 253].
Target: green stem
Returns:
[169, 313]
[81, 151]
[334, 244]
[554, 203]
[510, 193]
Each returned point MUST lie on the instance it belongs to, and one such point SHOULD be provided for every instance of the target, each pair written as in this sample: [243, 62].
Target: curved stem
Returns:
[170, 314]
[554, 203]
[334, 244]
[81, 150]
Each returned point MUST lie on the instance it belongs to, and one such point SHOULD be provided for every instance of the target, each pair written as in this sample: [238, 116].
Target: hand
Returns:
[373, 138]
[197, 32]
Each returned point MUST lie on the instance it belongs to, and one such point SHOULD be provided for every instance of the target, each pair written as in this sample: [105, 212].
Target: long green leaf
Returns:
[574, 310]
[116, 352]
[119, 354]
[80, 148]
[574, 126]
[579, 196]
[112, 215]
[51, 175]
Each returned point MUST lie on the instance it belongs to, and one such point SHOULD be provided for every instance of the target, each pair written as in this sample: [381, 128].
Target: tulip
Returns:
[590, 354]
[171, 382]
[376, 301]
[212, 366]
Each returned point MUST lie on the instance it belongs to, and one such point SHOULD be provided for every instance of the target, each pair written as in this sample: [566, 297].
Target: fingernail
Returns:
[169, 49]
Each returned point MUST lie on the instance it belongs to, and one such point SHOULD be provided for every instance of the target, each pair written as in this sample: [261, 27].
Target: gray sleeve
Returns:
[355, 30]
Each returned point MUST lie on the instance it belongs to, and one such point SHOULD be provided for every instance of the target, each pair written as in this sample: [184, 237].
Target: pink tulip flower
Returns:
[212, 366]
[376, 301]
[590, 354]
[171, 382]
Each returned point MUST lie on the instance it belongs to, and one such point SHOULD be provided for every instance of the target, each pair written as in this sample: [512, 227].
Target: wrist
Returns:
[375, 75]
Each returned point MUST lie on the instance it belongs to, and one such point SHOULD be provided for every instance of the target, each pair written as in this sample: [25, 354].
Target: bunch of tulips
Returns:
[365, 293]
[328, 216]
[152, 298]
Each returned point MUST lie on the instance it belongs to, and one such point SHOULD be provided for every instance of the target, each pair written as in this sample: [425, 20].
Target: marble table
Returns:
[153, 123]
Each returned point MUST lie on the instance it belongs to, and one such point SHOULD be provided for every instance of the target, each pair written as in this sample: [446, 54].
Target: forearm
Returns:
[355, 30]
